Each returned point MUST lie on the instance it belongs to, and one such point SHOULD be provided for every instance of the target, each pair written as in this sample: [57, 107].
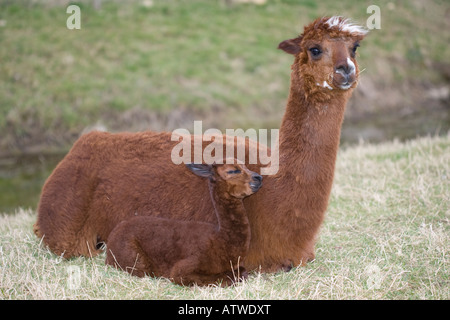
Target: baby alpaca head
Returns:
[235, 179]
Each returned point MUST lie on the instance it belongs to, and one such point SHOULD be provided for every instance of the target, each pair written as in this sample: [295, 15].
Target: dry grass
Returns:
[386, 236]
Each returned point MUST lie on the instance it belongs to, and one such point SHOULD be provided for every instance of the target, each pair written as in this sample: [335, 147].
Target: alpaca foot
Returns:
[235, 276]
[37, 230]
[242, 273]
[101, 244]
[286, 266]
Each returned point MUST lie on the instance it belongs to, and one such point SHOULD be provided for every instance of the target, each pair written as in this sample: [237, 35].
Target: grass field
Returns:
[160, 64]
[386, 236]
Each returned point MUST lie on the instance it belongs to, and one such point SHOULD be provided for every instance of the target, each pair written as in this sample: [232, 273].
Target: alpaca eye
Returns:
[355, 47]
[234, 171]
[315, 52]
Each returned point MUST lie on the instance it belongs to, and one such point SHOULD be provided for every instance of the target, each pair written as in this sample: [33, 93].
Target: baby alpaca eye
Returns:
[234, 171]
[315, 52]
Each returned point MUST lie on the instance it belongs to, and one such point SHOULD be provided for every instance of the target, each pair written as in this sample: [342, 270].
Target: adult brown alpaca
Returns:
[191, 252]
[107, 178]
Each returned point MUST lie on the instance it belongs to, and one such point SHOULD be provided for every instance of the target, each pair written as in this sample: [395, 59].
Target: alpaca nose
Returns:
[257, 178]
[256, 182]
[345, 68]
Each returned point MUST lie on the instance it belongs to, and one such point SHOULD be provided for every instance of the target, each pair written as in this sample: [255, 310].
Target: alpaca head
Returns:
[232, 178]
[325, 55]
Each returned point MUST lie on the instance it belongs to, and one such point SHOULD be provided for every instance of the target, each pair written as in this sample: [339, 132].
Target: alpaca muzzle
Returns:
[345, 74]
[256, 182]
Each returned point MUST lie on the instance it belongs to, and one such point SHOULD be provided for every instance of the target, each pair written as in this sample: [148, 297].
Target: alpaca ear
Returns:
[291, 46]
[201, 170]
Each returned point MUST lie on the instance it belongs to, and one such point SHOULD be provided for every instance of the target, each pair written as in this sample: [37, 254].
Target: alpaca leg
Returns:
[310, 254]
[186, 272]
[63, 212]
[126, 261]
[125, 253]
[183, 272]
[201, 279]
[224, 279]
[231, 277]
[306, 254]
[67, 238]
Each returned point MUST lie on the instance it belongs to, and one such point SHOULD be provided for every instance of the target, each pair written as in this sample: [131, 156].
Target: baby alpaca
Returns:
[192, 252]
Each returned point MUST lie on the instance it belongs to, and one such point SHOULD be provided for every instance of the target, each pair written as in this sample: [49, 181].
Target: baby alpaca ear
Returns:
[201, 170]
[291, 46]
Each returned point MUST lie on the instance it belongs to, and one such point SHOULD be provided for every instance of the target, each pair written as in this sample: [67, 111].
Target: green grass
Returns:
[386, 236]
[133, 67]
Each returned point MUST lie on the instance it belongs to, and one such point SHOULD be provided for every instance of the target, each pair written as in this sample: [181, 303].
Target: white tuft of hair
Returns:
[346, 25]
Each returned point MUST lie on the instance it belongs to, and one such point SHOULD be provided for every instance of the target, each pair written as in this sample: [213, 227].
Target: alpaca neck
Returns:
[296, 198]
[310, 132]
[309, 141]
[233, 225]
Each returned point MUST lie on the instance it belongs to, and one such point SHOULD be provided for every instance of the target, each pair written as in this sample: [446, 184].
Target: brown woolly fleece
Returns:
[107, 178]
[189, 252]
